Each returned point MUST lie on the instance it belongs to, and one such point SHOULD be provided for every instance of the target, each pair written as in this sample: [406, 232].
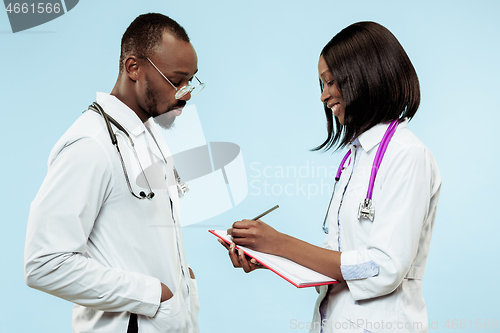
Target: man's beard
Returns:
[165, 120]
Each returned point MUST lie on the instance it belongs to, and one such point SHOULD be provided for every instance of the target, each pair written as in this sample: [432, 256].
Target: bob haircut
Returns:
[375, 77]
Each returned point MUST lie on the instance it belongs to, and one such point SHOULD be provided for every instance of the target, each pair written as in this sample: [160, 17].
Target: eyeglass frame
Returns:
[183, 91]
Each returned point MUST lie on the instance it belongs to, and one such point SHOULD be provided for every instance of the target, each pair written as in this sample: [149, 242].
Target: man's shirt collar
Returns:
[121, 113]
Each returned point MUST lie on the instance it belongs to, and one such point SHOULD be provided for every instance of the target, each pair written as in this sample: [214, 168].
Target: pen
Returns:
[265, 213]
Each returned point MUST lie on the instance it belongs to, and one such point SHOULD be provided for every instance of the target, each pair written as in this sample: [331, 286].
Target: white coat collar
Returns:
[134, 126]
[155, 131]
[374, 135]
[121, 113]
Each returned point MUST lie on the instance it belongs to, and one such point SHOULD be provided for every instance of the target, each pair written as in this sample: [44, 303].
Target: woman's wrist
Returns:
[282, 244]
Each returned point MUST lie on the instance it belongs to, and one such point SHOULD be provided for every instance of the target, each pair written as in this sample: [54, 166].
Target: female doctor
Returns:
[380, 219]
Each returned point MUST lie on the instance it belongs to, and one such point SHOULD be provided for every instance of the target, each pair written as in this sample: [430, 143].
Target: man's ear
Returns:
[132, 67]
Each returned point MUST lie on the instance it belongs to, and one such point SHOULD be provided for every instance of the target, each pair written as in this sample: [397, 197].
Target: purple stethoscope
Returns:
[365, 208]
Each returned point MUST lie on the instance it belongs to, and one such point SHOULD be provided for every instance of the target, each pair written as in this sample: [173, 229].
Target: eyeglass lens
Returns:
[194, 90]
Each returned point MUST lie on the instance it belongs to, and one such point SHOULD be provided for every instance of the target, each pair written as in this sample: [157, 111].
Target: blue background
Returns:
[259, 61]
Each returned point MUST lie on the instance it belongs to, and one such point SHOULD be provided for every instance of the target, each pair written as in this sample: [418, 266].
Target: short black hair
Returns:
[375, 77]
[145, 32]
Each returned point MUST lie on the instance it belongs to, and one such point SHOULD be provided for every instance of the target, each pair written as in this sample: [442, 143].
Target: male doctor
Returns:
[92, 240]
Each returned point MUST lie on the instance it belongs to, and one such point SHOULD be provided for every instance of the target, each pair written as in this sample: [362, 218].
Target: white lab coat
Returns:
[382, 261]
[89, 241]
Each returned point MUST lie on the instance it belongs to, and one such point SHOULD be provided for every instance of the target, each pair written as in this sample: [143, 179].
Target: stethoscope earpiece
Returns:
[149, 196]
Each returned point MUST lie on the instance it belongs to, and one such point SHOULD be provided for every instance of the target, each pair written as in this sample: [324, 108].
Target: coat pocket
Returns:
[195, 302]
[171, 317]
[371, 320]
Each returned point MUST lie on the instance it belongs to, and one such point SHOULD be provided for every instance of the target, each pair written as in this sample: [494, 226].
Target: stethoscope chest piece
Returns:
[182, 187]
[366, 210]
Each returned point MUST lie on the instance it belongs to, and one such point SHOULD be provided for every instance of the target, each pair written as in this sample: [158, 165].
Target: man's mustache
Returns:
[180, 104]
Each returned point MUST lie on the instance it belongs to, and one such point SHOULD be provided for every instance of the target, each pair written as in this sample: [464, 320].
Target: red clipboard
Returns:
[327, 280]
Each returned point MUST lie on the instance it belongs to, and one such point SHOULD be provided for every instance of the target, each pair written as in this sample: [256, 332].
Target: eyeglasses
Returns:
[181, 92]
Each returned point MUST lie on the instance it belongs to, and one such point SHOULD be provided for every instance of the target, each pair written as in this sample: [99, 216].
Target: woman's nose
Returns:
[324, 96]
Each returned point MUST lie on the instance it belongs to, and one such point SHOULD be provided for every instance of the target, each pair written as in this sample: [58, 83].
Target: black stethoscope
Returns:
[182, 187]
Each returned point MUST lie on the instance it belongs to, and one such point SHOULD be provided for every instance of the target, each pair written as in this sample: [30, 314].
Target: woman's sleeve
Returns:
[403, 207]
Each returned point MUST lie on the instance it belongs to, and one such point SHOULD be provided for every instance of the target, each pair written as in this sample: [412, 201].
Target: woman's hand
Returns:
[256, 235]
[239, 259]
